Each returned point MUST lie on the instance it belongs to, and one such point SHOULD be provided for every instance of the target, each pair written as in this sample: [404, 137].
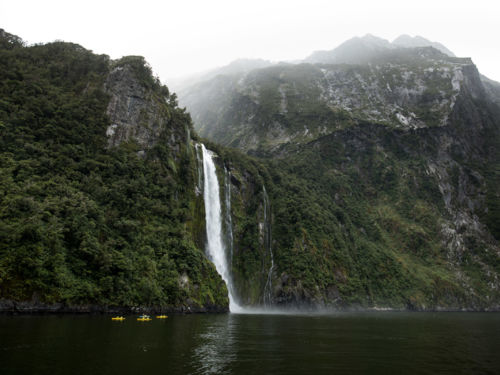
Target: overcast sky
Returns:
[182, 37]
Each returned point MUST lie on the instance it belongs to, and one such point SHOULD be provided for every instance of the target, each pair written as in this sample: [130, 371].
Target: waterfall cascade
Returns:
[268, 294]
[215, 246]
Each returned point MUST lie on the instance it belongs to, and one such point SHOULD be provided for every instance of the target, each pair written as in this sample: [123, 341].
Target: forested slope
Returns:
[82, 223]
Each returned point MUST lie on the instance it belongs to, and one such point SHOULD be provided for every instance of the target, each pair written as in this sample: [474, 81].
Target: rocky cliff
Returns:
[266, 108]
[139, 107]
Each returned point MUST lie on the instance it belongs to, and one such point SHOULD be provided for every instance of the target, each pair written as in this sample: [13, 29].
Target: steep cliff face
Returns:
[133, 112]
[400, 222]
[251, 229]
[266, 108]
[139, 108]
[492, 89]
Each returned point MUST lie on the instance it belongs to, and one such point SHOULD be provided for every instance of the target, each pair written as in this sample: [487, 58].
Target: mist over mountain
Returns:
[352, 51]
[238, 66]
[364, 78]
[363, 49]
[418, 41]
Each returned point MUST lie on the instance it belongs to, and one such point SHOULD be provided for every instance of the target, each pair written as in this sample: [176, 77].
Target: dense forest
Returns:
[81, 223]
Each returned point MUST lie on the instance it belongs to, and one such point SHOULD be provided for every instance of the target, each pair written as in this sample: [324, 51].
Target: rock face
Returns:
[266, 108]
[135, 112]
[492, 89]
[36, 307]
[418, 41]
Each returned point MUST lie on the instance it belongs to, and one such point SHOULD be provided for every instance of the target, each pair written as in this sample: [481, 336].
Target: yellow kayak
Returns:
[144, 318]
[161, 317]
[120, 318]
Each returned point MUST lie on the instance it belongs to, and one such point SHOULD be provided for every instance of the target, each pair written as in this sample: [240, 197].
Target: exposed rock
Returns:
[261, 110]
[136, 113]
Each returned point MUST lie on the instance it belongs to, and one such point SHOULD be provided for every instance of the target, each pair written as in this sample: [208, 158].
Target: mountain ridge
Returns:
[403, 88]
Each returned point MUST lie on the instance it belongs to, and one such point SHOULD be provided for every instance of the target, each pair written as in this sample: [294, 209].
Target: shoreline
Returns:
[31, 307]
[10, 307]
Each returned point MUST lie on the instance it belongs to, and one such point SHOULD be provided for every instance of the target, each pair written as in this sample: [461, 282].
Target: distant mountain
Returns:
[241, 66]
[353, 51]
[410, 83]
[361, 50]
[235, 67]
[418, 41]
[408, 88]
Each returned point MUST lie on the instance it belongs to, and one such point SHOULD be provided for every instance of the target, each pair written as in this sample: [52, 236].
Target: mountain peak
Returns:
[375, 41]
[408, 41]
[365, 48]
[354, 50]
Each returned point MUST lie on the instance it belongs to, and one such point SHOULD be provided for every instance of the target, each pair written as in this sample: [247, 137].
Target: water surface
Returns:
[361, 343]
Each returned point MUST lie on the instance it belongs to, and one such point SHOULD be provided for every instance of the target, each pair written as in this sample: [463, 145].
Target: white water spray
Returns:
[215, 246]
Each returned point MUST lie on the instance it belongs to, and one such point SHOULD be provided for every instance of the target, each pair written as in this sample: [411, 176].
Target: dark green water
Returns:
[361, 343]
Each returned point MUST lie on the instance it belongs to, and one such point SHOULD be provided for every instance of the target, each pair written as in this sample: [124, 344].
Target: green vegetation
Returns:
[80, 223]
[366, 228]
[357, 221]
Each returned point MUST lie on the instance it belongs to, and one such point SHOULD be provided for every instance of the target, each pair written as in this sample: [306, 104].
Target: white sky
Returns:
[182, 37]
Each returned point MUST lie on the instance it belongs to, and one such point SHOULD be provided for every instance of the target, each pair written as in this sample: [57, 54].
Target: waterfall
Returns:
[215, 246]
[268, 290]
